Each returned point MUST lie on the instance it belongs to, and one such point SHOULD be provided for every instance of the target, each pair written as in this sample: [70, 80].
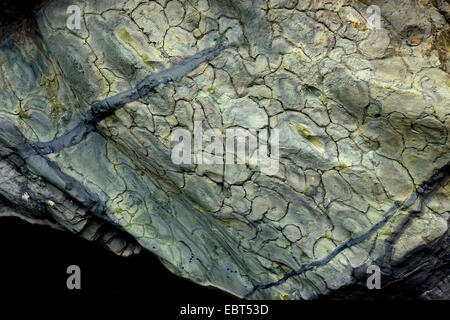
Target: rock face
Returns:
[363, 115]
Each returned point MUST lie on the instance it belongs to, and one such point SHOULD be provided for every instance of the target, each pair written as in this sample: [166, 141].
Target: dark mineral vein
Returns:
[100, 110]
[17, 150]
[422, 191]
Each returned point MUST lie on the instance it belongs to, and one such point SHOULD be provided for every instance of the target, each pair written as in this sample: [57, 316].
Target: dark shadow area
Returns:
[34, 260]
[16, 10]
[14, 14]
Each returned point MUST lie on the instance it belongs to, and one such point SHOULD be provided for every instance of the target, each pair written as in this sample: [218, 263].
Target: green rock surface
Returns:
[363, 119]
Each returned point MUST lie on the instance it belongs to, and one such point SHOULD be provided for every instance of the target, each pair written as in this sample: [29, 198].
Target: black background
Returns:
[34, 260]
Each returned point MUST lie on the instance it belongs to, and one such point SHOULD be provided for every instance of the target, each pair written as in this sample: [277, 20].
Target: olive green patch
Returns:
[126, 37]
[307, 134]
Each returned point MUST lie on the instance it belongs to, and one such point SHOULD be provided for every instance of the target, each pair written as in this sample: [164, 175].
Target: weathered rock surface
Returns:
[363, 116]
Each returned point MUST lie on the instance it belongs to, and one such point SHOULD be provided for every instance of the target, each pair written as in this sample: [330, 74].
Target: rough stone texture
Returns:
[363, 114]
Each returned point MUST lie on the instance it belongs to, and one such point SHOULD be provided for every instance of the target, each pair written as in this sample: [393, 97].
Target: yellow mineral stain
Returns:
[126, 37]
[386, 231]
[307, 134]
[298, 53]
